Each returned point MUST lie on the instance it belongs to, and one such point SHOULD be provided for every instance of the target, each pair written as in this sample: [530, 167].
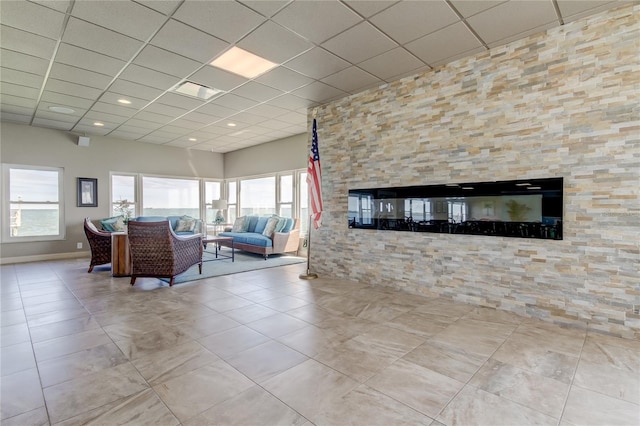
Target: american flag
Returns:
[314, 180]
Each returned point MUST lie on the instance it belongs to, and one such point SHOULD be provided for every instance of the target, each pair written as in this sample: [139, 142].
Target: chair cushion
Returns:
[185, 225]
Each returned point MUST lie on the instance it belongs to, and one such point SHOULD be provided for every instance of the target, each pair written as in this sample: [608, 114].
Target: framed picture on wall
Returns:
[87, 192]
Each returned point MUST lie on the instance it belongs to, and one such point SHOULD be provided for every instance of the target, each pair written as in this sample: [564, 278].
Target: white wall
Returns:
[20, 144]
[284, 154]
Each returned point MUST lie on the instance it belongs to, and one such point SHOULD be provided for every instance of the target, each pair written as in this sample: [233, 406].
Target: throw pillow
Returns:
[119, 225]
[92, 226]
[271, 225]
[185, 225]
[238, 224]
[107, 224]
[282, 221]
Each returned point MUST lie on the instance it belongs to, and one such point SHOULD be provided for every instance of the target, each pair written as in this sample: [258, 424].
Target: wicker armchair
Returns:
[156, 251]
[100, 244]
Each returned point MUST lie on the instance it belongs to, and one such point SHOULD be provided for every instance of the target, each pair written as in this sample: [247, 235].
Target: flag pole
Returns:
[309, 275]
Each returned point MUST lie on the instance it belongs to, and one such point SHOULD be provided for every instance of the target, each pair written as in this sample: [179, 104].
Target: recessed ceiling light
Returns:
[196, 90]
[99, 124]
[62, 110]
[193, 139]
[124, 101]
[523, 184]
[534, 187]
[467, 187]
[231, 124]
[241, 62]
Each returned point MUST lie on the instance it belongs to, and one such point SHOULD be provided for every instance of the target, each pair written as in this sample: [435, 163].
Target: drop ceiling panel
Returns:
[27, 43]
[80, 76]
[226, 20]
[216, 110]
[187, 124]
[17, 90]
[352, 80]
[317, 21]
[513, 18]
[129, 128]
[72, 89]
[44, 112]
[105, 117]
[248, 118]
[121, 134]
[319, 92]
[52, 124]
[189, 42]
[265, 7]
[235, 102]
[112, 98]
[15, 118]
[59, 5]
[284, 79]
[15, 109]
[217, 79]
[317, 63]
[21, 62]
[200, 118]
[83, 58]
[177, 100]
[470, 8]
[153, 117]
[368, 8]
[267, 110]
[447, 42]
[62, 99]
[136, 122]
[20, 78]
[359, 43]
[391, 63]
[148, 77]
[165, 109]
[129, 18]
[166, 7]
[101, 40]
[129, 89]
[164, 61]
[257, 92]
[113, 109]
[32, 17]
[274, 43]
[292, 102]
[18, 101]
[410, 20]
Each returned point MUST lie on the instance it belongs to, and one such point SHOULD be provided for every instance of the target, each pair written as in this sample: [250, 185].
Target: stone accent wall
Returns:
[561, 103]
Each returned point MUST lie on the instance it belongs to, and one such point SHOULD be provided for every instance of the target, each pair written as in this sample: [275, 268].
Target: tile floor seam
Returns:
[467, 383]
[573, 376]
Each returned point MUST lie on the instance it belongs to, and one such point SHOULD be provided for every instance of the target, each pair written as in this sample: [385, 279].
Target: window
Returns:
[285, 199]
[32, 208]
[170, 197]
[123, 195]
[232, 201]
[212, 192]
[258, 196]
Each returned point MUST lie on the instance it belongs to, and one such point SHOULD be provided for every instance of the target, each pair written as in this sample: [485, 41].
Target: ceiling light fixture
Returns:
[231, 124]
[534, 187]
[241, 62]
[62, 110]
[193, 139]
[523, 184]
[124, 101]
[99, 124]
[196, 90]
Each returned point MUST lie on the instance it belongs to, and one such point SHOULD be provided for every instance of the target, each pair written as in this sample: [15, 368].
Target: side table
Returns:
[120, 255]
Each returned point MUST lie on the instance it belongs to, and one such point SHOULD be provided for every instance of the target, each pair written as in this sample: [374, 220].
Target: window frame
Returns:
[6, 205]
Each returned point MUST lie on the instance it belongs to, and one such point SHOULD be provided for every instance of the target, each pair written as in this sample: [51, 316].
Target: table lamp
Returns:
[220, 205]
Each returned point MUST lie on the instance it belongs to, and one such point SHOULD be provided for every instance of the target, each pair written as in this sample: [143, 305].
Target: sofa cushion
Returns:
[282, 221]
[288, 226]
[248, 238]
[251, 224]
[260, 225]
[272, 222]
[150, 218]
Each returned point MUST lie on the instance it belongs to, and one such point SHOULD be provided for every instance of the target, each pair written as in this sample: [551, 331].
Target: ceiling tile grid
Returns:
[116, 63]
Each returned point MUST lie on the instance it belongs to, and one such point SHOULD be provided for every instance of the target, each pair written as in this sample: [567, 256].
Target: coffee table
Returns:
[217, 242]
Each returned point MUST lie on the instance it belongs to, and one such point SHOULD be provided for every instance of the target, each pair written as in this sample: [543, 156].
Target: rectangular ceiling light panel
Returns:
[241, 62]
[196, 90]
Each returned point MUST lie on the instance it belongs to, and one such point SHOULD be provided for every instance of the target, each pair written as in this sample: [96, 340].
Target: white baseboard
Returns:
[43, 257]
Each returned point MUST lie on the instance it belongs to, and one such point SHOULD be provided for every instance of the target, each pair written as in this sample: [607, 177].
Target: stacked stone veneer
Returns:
[560, 103]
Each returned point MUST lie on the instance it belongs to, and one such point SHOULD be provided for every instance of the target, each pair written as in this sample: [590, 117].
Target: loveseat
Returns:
[265, 235]
[181, 225]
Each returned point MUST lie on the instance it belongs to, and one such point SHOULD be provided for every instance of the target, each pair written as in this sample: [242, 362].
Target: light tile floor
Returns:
[266, 348]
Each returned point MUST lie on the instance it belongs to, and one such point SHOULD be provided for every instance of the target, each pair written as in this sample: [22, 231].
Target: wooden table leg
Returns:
[120, 255]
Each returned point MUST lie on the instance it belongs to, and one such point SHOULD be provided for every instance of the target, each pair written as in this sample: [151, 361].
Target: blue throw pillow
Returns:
[107, 224]
[251, 222]
[260, 225]
[288, 226]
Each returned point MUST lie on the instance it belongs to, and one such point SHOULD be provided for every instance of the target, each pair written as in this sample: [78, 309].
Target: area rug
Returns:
[243, 262]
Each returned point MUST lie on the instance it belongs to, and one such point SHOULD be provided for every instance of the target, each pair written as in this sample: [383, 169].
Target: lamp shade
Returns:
[219, 204]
